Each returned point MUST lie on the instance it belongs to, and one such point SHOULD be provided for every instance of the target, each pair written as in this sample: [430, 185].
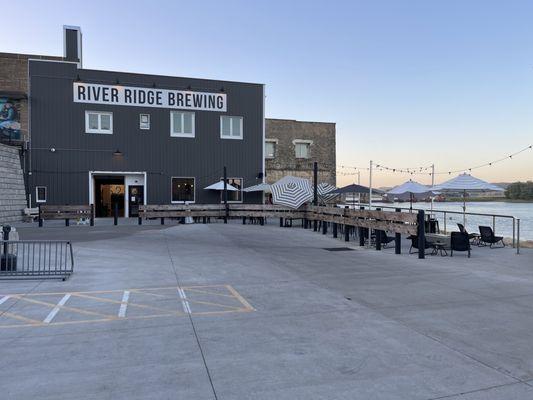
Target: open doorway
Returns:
[108, 191]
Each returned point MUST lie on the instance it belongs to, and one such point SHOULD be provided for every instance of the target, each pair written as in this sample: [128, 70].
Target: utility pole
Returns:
[359, 183]
[226, 214]
[370, 190]
[432, 184]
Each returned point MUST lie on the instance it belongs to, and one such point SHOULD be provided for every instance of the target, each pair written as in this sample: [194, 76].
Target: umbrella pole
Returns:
[464, 208]
[410, 202]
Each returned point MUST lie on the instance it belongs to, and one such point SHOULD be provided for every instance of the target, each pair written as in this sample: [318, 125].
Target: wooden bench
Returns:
[66, 212]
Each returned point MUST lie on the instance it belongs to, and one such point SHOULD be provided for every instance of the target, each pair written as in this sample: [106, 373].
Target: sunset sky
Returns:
[408, 83]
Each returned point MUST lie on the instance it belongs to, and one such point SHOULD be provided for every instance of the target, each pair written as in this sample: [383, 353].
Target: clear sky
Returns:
[408, 83]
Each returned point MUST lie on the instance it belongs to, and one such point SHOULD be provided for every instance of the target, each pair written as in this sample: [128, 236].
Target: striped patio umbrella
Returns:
[466, 182]
[261, 187]
[291, 191]
[324, 192]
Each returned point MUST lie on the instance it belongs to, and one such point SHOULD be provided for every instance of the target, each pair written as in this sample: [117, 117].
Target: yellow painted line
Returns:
[213, 304]
[104, 300]
[241, 299]
[206, 292]
[21, 318]
[114, 290]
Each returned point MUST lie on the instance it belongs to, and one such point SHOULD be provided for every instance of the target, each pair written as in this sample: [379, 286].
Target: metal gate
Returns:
[36, 259]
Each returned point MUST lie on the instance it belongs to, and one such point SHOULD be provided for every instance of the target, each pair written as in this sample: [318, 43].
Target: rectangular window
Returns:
[302, 150]
[231, 127]
[98, 122]
[270, 149]
[234, 196]
[182, 124]
[40, 194]
[144, 121]
[182, 190]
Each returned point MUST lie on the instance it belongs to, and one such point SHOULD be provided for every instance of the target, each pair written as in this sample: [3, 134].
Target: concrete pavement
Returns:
[271, 315]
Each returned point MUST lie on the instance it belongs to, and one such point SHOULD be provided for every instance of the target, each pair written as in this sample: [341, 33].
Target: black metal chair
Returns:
[474, 237]
[414, 244]
[460, 242]
[488, 238]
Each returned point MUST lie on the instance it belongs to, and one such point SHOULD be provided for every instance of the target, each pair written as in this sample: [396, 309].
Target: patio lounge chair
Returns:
[460, 241]
[474, 237]
[385, 240]
[488, 238]
[414, 244]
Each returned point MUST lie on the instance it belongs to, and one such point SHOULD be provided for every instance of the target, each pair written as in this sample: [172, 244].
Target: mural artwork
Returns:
[9, 119]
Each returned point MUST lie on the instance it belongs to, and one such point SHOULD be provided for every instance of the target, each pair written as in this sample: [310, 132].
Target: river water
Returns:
[503, 226]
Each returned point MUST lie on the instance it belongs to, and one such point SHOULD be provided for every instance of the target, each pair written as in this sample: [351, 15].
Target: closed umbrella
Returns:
[466, 182]
[410, 187]
[291, 191]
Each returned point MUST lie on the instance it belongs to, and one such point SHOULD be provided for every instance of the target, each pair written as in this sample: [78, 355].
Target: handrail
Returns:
[445, 212]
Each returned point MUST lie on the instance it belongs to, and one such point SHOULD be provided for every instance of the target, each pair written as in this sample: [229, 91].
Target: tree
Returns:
[520, 191]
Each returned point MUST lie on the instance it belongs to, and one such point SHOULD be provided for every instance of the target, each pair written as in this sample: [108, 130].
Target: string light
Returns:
[423, 169]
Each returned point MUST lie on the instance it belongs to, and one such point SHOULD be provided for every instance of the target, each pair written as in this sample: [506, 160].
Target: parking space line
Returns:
[184, 301]
[208, 303]
[206, 292]
[124, 305]
[123, 308]
[56, 309]
[21, 318]
[247, 305]
[73, 309]
[142, 306]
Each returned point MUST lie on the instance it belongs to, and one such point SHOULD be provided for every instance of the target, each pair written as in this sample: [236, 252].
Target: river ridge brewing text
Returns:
[147, 97]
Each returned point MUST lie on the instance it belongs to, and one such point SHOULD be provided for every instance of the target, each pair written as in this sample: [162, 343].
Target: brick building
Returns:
[293, 146]
[14, 90]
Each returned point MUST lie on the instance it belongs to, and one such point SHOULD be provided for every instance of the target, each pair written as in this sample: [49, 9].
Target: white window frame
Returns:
[99, 130]
[183, 201]
[37, 200]
[275, 143]
[240, 137]
[301, 141]
[229, 178]
[184, 135]
[141, 123]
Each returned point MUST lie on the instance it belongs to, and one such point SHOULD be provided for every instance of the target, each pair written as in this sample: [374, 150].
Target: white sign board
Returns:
[147, 97]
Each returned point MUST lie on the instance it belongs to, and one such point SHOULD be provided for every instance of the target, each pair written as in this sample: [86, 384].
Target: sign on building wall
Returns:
[147, 97]
[9, 119]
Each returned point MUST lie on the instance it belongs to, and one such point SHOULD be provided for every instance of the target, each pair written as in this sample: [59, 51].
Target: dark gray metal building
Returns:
[105, 137]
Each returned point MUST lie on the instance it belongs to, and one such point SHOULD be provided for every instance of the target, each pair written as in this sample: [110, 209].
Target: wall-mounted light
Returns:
[52, 149]
[222, 89]
[117, 153]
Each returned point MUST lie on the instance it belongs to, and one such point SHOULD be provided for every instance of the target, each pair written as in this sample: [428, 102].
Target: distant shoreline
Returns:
[485, 199]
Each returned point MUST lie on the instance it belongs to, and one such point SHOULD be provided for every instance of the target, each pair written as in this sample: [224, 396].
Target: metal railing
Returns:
[445, 213]
[36, 259]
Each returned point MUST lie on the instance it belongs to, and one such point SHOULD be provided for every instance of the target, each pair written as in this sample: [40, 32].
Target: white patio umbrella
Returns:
[411, 187]
[324, 192]
[261, 187]
[291, 191]
[466, 182]
[220, 186]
